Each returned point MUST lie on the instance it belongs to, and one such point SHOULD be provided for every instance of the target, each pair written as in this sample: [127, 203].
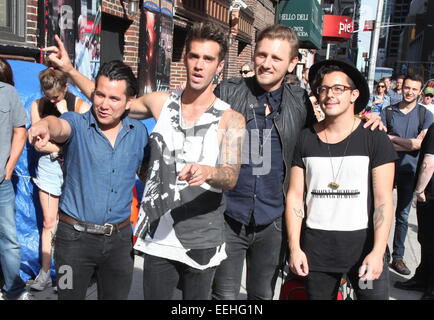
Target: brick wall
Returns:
[131, 48]
[32, 22]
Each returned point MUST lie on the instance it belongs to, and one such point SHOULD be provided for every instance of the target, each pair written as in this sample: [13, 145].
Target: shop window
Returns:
[12, 20]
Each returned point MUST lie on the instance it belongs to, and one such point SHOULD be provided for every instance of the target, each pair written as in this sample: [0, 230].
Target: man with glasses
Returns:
[246, 70]
[342, 173]
[428, 95]
[407, 124]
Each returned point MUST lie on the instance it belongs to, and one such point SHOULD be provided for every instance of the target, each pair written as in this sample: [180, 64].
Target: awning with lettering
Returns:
[305, 17]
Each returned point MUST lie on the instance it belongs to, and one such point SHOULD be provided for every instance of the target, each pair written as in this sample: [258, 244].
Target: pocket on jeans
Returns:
[126, 234]
[67, 232]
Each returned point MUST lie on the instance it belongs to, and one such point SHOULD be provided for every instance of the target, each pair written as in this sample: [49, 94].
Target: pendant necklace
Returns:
[264, 140]
[333, 184]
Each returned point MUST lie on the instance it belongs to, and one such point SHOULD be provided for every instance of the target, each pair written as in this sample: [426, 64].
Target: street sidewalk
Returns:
[412, 259]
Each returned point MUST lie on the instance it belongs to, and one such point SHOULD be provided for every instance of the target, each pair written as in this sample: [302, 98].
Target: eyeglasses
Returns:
[337, 89]
[245, 71]
[381, 86]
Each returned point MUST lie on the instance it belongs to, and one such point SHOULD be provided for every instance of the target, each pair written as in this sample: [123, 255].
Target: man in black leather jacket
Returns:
[275, 112]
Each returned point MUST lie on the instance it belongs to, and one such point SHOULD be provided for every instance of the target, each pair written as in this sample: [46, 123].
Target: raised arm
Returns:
[294, 215]
[226, 175]
[148, 105]
[382, 180]
[58, 56]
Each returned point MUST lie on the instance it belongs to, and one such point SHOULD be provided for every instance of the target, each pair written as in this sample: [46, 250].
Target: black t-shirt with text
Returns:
[338, 228]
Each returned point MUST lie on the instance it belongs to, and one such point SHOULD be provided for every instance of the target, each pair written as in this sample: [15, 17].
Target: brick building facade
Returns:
[118, 26]
[242, 25]
[24, 38]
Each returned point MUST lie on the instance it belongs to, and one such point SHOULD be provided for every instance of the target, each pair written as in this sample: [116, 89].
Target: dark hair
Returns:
[202, 31]
[326, 70]
[378, 84]
[52, 78]
[401, 76]
[414, 77]
[6, 74]
[117, 70]
[278, 31]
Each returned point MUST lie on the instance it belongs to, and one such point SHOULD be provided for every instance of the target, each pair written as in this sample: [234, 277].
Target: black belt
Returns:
[81, 226]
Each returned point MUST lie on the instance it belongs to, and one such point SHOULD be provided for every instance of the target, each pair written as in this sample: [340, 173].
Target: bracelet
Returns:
[418, 193]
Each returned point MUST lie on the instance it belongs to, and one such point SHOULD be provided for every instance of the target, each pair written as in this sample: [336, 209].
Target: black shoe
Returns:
[411, 284]
[399, 266]
[428, 294]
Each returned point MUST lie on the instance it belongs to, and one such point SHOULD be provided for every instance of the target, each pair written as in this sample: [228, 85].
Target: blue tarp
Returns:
[28, 210]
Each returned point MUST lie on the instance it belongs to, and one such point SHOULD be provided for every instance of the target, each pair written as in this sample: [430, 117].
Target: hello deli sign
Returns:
[337, 26]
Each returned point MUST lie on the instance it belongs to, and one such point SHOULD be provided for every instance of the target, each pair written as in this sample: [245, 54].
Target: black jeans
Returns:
[425, 235]
[80, 255]
[161, 276]
[263, 248]
[325, 285]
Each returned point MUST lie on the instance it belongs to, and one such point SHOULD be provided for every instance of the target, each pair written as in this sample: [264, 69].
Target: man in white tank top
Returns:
[195, 154]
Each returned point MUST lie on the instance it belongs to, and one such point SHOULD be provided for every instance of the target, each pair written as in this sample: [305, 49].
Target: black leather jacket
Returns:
[296, 112]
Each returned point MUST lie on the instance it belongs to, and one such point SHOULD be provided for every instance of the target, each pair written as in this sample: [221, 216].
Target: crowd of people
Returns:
[256, 170]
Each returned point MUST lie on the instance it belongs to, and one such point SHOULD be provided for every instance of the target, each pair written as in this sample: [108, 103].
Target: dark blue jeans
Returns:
[80, 255]
[10, 258]
[404, 188]
[325, 285]
[425, 235]
[263, 248]
[161, 277]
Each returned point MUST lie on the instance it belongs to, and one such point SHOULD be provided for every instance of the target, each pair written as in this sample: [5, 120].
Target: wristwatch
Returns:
[417, 193]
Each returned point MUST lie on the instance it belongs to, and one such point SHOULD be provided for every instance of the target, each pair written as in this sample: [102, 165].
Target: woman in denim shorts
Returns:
[49, 175]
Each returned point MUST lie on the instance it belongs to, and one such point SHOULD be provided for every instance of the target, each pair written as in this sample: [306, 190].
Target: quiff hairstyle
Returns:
[278, 31]
[207, 31]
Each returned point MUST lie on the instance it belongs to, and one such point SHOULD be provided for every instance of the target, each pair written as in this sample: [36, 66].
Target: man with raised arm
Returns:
[195, 154]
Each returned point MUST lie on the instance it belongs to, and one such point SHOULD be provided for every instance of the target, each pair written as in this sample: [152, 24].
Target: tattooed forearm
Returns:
[378, 216]
[298, 212]
[224, 178]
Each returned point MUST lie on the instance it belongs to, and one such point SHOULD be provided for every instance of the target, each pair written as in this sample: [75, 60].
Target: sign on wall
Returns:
[156, 43]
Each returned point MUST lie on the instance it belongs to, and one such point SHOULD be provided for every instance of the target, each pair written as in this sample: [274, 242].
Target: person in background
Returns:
[6, 74]
[49, 176]
[292, 79]
[395, 94]
[406, 130]
[380, 99]
[427, 100]
[247, 70]
[423, 279]
[13, 119]
[305, 80]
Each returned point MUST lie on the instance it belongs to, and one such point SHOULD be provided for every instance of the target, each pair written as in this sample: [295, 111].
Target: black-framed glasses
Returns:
[245, 71]
[381, 86]
[337, 89]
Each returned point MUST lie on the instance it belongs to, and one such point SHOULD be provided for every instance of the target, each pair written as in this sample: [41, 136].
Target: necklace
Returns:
[264, 140]
[333, 184]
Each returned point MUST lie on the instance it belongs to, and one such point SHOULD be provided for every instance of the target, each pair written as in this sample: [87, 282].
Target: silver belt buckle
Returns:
[111, 229]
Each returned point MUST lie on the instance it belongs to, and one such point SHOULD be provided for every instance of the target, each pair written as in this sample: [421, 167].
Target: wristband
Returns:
[418, 193]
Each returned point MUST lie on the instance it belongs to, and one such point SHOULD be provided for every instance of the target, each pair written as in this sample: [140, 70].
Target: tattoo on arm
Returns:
[226, 176]
[298, 212]
[378, 217]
